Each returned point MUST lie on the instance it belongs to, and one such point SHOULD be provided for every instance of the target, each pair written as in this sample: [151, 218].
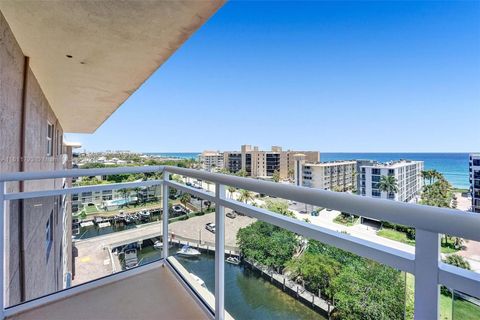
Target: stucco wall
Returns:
[42, 275]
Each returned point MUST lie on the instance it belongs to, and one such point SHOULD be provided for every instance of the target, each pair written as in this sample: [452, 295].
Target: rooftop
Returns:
[392, 164]
[331, 163]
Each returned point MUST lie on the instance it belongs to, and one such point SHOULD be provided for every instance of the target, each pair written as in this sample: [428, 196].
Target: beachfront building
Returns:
[474, 169]
[263, 164]
[335, 175]
[211, 160]
[406, 172]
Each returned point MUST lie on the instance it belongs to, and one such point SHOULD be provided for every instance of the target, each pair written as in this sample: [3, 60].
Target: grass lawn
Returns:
[463, 310]
[90, 209]
[395, 235]
[346, 220]
[402, 237]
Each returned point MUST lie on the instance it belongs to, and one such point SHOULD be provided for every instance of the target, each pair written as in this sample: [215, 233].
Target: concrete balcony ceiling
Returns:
[90, 56]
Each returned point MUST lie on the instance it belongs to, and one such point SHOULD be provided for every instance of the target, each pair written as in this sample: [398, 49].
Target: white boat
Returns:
[188, 251]
[233, 260]
[198, 280]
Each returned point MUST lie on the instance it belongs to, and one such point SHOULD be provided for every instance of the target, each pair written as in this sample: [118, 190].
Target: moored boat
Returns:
[233, 260]
[188, 251]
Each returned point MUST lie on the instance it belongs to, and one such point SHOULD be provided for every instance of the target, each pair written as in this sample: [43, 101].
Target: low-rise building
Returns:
[474, 169]
[406, 172]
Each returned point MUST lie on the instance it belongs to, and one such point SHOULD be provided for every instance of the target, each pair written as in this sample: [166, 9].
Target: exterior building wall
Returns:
[211, 160]
[407, 174]
[262, 164]
[474, 169]
[329, 175]
[41, 270]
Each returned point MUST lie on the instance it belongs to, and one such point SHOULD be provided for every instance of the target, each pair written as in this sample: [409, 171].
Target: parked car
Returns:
[177, 209]
[303, 211]
[189, 184]
[210, 227]
[231, 214]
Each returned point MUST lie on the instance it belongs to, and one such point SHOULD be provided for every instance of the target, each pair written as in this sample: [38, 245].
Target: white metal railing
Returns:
[429, 222]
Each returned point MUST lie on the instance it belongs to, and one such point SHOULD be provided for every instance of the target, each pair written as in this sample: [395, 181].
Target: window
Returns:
[59, 142]
[375, 171]
[376, 193]
[49, 234]
[49, 139]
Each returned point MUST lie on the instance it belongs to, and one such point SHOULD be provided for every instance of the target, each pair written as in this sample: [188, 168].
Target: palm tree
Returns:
[276, 176]
[231, 190]
[426, 174]
[245, 196]
[242, 173]
[388, 184]
[291, 174]
[185, 198]
[436, 175]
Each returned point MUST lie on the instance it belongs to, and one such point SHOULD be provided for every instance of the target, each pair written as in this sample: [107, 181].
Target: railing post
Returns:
[427, 256]
[166, 177]
[219, 253]
[2, 248]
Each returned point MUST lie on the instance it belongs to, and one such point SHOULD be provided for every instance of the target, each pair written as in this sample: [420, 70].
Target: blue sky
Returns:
[329, 76]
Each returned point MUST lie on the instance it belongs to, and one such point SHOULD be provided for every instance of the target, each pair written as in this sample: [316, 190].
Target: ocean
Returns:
[454, 166]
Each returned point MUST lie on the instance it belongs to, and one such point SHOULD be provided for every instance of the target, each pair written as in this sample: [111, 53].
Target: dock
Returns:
[316, 302]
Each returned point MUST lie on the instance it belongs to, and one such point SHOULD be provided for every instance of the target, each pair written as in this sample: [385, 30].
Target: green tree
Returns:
[185, 198]
[245, 196]
[368, 290]
[388, 184]
[316, 271]
[276, 176]
[457, 261]
[278, 206]
[241, 173]
[291, 174]
[231, 190]
[267, 244]
[437, 194]
[426, 175]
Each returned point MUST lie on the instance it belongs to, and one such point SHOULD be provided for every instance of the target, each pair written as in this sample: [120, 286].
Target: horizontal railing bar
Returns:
[205, 195]
[441, 220]
[459, 279]
[399, 259]
[74, 190]
[73, 173]
[395, 258]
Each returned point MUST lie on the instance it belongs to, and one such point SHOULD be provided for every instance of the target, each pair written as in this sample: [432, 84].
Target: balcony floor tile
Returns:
[154, 294]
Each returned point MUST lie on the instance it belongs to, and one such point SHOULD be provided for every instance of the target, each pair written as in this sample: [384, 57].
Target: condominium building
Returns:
[335, 175]
[406, 172]
[474, 169]
[263, 164]
[211, 160]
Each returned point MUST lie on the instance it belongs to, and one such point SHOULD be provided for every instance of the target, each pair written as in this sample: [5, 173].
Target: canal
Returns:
[247, 295]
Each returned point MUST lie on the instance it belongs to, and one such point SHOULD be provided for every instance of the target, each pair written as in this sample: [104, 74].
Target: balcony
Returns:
[165, 287]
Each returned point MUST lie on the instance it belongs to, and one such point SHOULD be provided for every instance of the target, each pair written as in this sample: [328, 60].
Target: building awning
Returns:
[90, 56]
